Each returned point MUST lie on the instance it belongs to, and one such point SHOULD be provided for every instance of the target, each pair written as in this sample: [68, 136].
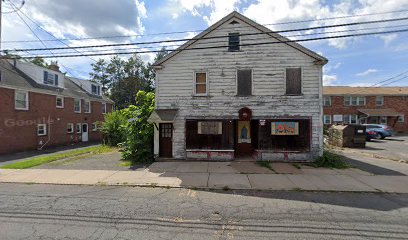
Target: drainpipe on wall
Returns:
[49, 134]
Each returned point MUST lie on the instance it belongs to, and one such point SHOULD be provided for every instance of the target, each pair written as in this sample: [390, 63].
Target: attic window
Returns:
[50, 78]
[233, 42]
[96, 89]
[234, 22]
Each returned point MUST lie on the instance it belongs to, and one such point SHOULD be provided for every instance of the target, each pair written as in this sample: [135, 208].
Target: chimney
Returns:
[54, 66]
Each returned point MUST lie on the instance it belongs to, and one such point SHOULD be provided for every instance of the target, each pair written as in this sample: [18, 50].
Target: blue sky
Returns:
[358, 61]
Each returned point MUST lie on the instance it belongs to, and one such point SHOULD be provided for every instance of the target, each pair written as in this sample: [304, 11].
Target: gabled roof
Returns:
[250, 22]
[346, 90]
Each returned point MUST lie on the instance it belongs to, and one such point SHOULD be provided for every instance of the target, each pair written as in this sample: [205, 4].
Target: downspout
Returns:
[49, 134]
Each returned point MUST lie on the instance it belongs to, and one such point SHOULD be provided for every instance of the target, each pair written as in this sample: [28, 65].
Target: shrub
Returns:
[138, 145]
[113, 128]
[330, 159]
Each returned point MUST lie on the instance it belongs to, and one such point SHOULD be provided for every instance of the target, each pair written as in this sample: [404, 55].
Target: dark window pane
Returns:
[244, 81]
[293, 81]
[233, 41]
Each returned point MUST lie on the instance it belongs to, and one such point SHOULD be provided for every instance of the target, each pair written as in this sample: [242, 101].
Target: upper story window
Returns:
[87, 106]
[327, 119]
[200, 83]
[326, 101]
[50, 78]
[103, 107]
[21, 100]
[96, 90]
[379, 100]
[233, 42]
[244, 82]
[354, 101]
[77, 105]
[293, 81]
[60, 102]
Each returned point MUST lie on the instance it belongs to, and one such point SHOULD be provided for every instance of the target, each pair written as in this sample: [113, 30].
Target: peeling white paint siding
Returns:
[174, 83]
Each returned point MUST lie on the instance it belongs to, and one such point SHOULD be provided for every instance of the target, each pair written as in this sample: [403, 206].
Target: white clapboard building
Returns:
[239, 91]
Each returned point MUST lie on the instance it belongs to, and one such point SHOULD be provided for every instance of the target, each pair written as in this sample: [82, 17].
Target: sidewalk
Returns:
[223, 175]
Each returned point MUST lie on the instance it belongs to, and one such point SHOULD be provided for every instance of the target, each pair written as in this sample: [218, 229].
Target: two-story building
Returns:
[239, 91]
[41, 107]
[355, 105]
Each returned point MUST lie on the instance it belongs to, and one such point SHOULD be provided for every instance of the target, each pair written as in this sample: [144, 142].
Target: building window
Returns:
[87, 106]
[383, 120]
[96, 89]
[327, 119]
[77, 105]
[103, 107]
[244, 82]
[379, 100]
[209, 127]
[350, 119]
[233, 42]
[200, 83]
[70, 128]
[21, 100]
[94, 126]
[50, 78]
[326, 101]
[60, 102]
[401, 119]
[78, 128]
[293, 81]
[41, 129]
[354, 101]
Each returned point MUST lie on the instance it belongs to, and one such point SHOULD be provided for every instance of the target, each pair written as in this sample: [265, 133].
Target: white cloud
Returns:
[388, 38]
[328, 80]
[366, 72]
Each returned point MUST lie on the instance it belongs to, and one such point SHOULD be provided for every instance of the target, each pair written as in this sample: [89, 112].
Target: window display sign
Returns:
[285, 128]
[244, 132]
[209, 127]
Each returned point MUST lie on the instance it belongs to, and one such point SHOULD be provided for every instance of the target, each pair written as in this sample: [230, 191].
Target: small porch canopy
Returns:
[162, 115]
[384, 112]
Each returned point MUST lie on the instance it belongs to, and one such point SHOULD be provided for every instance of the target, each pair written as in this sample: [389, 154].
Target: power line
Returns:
[200, 30]
[214, 37]
[214, 47]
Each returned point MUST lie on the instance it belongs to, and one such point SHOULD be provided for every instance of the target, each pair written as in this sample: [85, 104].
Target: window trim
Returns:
[27, 100]
[44, 128]
[85, 102]
[301, 82]
[401, 117]
[350, 97]
[236, 82]
[239, 42]
[72, 128]
[325, 117]
[55, 79]
[78, 130]
[382, 100]
[103, 108]
[56, 101]
[98, 89]
[383, 117]
[195, 84]
[324, 101]
[80, 107]
[94, 126]
[349, 122]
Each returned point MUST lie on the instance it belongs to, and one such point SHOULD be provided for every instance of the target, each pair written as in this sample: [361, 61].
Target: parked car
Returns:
[371, 134]
[382, 130]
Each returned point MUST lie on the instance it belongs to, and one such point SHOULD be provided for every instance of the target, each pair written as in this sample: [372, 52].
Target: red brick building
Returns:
[41, 107]
[351, 105]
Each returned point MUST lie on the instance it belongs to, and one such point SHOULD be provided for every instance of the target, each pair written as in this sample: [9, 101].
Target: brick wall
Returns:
[18, 128]
[398, 103]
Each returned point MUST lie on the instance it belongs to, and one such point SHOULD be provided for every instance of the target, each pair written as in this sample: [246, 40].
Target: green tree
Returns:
[39, 62]
[113, 128]
[138, 145]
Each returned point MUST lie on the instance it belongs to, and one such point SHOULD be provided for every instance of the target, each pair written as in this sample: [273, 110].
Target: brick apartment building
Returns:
[351, 105]
[41, 107]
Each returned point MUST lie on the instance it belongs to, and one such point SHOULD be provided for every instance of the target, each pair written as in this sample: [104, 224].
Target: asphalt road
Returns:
[29, 211]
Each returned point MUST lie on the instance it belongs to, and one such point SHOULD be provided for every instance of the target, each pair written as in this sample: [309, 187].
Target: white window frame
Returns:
[98, 89]
[26, 98]
[348, 100]
[381, 119]
[324, 101]
[401, 119]
[327, 117]
[89, 110]
[94, 127]
[72, 127]
[379, 98]
[78, 129]
[44, 129]
[56, 101]
[349, 116]
[195, 84]
[49, 79]
[76, 99]
[103, 108]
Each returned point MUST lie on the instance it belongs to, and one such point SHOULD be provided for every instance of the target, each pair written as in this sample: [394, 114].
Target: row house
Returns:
[360, 105]
[239, 91]
[41, 107]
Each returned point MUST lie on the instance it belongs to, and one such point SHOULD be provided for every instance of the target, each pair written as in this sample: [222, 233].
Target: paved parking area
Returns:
[395, 148]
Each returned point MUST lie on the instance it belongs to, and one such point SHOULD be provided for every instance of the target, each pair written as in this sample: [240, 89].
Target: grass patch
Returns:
[36, 161]
[126, 163]
[296, 165]
[265, 164]
[330, 160]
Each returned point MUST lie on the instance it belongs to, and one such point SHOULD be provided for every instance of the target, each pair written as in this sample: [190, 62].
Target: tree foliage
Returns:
[113, 128]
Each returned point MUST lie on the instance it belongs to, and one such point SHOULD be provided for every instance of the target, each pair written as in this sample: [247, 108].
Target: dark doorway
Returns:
[244, 139]
[165, 140]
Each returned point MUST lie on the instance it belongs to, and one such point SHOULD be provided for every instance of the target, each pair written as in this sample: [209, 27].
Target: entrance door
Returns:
[244, 139]
[85, 132]
[166, 140]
